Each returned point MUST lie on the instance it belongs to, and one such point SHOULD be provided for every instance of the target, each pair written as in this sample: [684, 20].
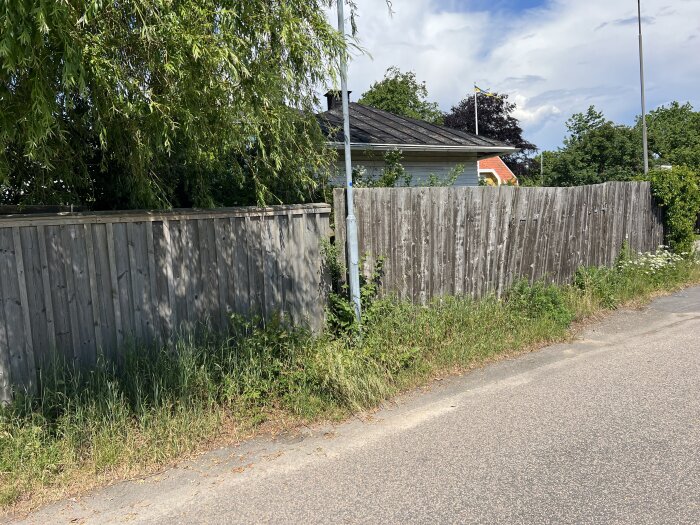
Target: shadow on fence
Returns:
[81, 284]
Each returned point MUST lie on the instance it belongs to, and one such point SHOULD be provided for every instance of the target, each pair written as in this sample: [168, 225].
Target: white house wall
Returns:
[419, 169]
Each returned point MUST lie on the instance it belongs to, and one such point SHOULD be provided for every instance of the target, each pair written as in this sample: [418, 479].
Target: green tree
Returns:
[143, 103]
[580, 124]
[402, 94]
[674, 135]
[596, 150]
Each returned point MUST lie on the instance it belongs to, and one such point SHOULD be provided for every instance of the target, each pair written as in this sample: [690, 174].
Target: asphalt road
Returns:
[604, 430]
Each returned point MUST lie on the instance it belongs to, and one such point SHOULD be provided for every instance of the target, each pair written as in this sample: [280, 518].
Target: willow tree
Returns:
[147, 103]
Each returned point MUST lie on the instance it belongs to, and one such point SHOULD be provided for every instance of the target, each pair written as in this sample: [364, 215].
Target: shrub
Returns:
[678, 191]
[393, 173]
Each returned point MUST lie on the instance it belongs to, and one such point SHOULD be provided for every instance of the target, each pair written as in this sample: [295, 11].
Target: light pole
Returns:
[641, 81]
[350, 221]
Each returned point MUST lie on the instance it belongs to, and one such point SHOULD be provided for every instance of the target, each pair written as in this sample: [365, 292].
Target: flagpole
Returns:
[476, 112]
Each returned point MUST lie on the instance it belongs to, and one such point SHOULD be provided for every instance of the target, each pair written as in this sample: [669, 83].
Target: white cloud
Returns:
[554, 60]
[531, 114]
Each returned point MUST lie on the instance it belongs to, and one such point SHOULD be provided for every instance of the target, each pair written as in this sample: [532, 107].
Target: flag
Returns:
[486, 92]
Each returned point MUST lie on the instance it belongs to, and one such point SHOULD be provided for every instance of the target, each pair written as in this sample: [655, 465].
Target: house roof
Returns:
[502, 170]
[375, 129]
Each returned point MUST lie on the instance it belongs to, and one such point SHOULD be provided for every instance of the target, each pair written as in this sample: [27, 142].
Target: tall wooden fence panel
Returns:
[81, 284]
[478, 240]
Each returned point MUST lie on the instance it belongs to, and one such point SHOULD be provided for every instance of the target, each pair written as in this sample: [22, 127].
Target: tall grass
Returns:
[157, 405]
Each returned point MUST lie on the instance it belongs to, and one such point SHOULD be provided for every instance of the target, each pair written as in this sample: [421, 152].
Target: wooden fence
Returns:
[81, 284]
[84, 283]
[476, 240]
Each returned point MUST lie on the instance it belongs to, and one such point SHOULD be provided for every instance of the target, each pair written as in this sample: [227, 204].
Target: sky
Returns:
[553, 57]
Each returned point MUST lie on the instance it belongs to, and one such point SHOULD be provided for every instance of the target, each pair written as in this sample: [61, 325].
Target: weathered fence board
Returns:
[475, 241]
[81, 284]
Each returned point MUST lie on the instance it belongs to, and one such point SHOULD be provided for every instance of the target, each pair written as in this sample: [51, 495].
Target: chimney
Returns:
[334, 99]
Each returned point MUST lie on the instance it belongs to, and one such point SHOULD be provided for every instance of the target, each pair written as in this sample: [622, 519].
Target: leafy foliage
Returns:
[678, 191]
[146, 103]
[674, 135]
[633, 276]
[496, 121]
[392, 173]
[401, 94]
[596, 150]
[340, 314]
[435, 180]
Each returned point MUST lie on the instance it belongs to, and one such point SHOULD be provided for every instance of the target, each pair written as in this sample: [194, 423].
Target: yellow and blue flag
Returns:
[486, 92]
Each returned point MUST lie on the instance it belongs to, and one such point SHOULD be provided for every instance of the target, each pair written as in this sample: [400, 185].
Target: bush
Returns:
[678, 191]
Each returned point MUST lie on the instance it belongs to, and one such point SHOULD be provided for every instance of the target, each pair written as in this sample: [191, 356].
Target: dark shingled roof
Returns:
[374, 127]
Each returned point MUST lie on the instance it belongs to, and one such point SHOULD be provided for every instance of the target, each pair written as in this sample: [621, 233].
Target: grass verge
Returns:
[82, 430]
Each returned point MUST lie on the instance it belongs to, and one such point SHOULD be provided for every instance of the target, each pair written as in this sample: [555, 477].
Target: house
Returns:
[494, 172]
[427, 149]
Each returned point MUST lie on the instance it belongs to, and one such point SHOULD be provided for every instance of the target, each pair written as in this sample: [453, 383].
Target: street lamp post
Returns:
[350, 221]
[641, 81]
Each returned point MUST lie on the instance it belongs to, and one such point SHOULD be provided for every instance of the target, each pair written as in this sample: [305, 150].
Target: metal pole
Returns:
[641, 81]
[476, 112]
[350, 221]
[542, 168]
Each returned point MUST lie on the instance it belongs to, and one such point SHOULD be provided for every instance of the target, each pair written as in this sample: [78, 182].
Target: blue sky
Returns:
[553, 57]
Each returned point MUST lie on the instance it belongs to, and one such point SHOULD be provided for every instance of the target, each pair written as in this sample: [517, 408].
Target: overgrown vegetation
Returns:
[677, 191]
[160, 405]
[446, 180]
